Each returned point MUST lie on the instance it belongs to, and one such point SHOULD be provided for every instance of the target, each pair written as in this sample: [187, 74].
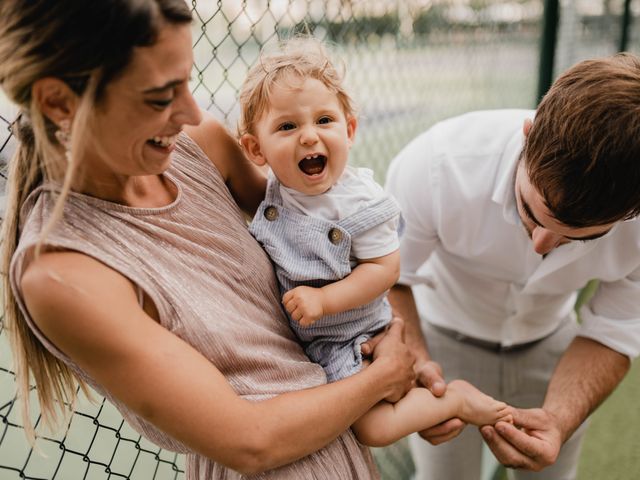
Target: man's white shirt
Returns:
[469, 259]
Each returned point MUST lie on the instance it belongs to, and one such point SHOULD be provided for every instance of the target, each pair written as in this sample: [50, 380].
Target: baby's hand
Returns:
[304, 304]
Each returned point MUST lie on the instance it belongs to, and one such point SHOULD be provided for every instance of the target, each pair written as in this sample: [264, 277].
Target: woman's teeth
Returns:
[163, 141]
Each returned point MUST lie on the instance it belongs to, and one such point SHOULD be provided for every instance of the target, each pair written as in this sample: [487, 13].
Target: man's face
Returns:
[545, 231]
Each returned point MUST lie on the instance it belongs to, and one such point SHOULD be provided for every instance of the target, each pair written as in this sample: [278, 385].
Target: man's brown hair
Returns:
[583, 151]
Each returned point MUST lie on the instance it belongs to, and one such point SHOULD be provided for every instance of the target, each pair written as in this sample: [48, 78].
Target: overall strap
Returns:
[272, 196]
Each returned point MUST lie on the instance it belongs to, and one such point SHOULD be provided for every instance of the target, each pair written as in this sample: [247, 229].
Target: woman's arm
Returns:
[247, 182]
[368, 280]
[91, 313]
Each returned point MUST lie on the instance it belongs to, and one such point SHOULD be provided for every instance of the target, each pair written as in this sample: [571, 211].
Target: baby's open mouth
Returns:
[312, 164]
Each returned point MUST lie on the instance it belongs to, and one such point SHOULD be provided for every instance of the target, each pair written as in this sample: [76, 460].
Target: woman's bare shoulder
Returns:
[216, 142]
[62, 289]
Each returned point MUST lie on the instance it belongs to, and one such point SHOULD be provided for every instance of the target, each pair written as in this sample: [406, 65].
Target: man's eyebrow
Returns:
[529, 213]
[166, 86]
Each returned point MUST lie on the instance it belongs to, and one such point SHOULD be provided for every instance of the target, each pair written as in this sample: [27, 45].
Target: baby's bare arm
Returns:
[368, 280]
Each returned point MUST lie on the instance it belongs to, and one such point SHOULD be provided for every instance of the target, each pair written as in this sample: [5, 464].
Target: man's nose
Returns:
[544, 240]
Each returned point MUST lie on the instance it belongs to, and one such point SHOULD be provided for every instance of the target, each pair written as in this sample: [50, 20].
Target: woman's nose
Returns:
[187, 111]
[544, 240]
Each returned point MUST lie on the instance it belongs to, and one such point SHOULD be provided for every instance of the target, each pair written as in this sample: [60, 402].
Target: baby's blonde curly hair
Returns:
[295, 60]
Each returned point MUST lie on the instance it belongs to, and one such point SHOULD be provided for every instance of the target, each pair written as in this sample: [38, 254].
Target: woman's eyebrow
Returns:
[166, 86]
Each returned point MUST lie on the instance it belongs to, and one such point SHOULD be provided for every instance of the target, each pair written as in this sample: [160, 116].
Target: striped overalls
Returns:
[314, 252]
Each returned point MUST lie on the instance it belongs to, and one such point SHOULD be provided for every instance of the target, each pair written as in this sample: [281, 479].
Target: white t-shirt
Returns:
[355, 190]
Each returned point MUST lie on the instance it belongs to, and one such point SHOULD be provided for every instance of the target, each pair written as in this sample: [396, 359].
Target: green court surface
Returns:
[612, 448]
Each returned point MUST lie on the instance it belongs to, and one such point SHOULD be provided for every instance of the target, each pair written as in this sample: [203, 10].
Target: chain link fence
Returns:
[410, 63]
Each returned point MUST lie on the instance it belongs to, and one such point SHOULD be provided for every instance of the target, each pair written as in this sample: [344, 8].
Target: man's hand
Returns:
[304, 304]
[531, 443]
[429, 374]
[443, 432]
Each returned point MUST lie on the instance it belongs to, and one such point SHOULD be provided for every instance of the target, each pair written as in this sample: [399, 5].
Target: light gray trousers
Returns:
[519, 378]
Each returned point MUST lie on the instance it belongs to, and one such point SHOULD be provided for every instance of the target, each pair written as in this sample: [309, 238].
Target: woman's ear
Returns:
[251, 147]
[55, 99]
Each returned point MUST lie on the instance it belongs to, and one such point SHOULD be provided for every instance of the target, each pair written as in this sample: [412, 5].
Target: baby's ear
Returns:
[252, 149]
[352, 126]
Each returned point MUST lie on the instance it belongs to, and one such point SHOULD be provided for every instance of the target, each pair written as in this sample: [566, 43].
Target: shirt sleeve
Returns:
[412, 180]
[378, 241]
[382, 239]
[612, 316]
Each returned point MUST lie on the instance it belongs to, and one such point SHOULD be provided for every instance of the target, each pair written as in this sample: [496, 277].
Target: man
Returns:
[508, 213]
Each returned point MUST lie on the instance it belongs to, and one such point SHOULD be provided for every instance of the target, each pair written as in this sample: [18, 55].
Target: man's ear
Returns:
[352, 126]
[252, 149]
[55, 99]
[526, 127]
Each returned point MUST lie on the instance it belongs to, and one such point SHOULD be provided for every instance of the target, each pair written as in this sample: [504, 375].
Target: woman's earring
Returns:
[63, 135]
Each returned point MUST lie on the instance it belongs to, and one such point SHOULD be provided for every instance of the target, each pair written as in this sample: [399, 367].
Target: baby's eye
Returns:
[287, 126]
[324, 120]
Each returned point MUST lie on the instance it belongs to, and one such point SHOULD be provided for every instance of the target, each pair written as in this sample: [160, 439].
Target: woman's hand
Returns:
[389, 349]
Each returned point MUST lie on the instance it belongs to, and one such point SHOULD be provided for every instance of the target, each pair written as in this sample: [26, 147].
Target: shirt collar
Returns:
[504, 187]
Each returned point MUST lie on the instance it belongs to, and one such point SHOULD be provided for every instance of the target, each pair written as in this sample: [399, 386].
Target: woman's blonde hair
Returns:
[295, 59]
[86, 45]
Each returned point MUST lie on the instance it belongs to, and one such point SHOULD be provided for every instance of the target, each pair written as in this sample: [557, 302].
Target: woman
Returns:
[130, 263]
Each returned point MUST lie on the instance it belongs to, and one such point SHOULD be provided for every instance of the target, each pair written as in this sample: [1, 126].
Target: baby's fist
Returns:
[304, 304]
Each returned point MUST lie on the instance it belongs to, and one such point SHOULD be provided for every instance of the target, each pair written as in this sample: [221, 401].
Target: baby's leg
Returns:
[418, 410]
[478, 408]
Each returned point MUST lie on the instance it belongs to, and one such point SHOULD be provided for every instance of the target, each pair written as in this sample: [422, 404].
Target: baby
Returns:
[332, 232]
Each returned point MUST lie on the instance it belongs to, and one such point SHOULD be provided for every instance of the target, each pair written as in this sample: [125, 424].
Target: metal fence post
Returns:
[548, 46]
[624, 31]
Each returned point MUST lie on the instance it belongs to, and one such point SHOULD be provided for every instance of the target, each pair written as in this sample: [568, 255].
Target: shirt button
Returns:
[271, 213]
[335, 236]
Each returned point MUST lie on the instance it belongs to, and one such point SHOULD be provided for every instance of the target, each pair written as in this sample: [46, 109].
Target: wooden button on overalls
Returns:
[335, 236]
[271, 213]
